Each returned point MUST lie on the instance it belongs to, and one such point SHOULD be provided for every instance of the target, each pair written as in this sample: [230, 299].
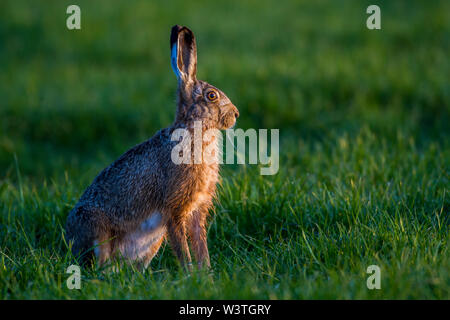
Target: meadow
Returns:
[364, 143]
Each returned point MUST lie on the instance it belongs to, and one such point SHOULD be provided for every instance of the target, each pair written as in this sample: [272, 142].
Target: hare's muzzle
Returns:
[233, 110]
[230, 116]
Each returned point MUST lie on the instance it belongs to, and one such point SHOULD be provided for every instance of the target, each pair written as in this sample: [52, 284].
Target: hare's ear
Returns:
[183, 54]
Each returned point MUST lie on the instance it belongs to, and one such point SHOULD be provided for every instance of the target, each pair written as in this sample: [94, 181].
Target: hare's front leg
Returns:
[198, 236]
[178, 241]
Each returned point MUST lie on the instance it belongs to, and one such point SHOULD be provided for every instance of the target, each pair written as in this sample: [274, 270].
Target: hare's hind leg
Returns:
[152, 251]
[141, 244]
[82, 231]
[103, 248]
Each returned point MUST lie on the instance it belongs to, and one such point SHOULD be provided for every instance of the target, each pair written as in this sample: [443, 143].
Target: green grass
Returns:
[364, 143]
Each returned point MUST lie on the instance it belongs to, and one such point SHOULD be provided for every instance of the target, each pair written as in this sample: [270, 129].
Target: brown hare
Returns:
[141, 198]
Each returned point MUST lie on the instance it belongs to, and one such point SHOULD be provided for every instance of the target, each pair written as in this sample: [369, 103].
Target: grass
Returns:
[364, 144]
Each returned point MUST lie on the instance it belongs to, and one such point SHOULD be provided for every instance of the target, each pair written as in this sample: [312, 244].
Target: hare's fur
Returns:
[144, 197]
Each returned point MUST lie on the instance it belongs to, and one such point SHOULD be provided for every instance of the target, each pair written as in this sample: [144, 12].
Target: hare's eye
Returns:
[212, 96]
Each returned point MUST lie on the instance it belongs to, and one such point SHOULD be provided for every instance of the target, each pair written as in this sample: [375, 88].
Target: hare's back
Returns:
[134, 182]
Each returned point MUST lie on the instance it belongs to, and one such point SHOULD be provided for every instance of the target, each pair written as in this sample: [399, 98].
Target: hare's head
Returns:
[197, 99]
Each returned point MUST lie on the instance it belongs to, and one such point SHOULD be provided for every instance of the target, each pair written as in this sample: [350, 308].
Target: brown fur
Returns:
[143, 197]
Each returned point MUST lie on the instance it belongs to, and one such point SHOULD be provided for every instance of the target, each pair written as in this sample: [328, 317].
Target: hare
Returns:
[144, 197]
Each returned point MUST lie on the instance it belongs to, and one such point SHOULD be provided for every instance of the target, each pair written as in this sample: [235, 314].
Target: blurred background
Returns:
[364, 137]
[71, 99]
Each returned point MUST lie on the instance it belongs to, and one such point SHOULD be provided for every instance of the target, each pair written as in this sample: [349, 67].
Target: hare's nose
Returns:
[236, 112]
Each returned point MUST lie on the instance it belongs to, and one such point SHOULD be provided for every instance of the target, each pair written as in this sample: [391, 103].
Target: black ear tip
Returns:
[176, 28]
[174, 34]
